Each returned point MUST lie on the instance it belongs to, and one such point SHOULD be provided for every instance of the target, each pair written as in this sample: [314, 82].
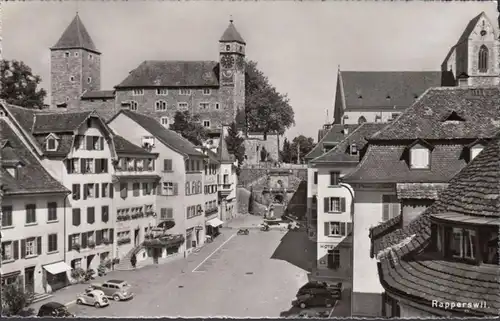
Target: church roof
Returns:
[76, 37]
[470, 27]
[387, 89]
[232, 35]
[165, 73]
[223, 152]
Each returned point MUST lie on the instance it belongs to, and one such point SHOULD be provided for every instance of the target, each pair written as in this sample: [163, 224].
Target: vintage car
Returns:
[316, 287]
[54, 309]
[96, 298]
[118, 290]
[314, 300]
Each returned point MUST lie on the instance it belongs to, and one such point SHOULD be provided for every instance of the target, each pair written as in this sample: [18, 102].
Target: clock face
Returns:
[483, 33]
[227, 61]
[240, 62]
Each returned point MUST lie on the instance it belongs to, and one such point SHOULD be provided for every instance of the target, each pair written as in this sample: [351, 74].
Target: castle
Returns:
[215, 90]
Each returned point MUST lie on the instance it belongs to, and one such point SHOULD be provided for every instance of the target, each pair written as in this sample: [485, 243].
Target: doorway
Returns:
[29, 279]
[89, 261]
[136, 237]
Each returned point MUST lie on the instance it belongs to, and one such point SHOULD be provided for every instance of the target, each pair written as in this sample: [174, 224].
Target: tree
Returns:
[189, 127]
[305, 144]
[235, 145]
[19, 85]
[250, 202]
[266, 110]
[286, 152]
[14, 299]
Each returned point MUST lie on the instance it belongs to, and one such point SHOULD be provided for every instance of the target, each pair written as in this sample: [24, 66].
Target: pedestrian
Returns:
[133, 260]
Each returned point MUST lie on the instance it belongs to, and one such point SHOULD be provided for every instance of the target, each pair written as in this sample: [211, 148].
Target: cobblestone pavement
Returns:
[244, 277]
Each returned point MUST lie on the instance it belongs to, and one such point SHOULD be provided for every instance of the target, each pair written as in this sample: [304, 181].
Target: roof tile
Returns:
[232, 35]
[334, 135]
[75, 36]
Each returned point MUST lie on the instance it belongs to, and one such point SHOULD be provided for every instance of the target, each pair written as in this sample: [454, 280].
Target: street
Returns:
[235, 276]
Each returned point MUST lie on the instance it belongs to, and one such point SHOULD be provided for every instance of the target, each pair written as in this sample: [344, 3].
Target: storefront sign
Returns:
[199, 228]
[327, 246]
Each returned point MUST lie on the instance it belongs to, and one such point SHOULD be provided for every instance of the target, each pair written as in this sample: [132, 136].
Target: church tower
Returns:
[75, 66]
[232, 74]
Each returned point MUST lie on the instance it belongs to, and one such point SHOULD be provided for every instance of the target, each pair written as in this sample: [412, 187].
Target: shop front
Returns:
[55, 276]
[162, 246]
[212, 227]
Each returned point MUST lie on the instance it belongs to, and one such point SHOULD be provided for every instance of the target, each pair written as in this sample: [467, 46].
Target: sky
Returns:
[298, 45]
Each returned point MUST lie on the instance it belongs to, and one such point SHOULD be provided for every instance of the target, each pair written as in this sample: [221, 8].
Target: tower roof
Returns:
[232, 35]
[76, 36]
[222, 151]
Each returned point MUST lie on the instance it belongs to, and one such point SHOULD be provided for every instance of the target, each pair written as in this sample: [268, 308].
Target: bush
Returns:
[77, 274]
[14, 299]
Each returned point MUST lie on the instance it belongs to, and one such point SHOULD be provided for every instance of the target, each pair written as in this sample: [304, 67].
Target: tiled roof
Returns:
[25, 116]
[341, 152]
[375, 89]
[166, 136]
[334, 135]
[76, 36]
[124, 146]
[426, 118]
[99, 94]
[383, 229]
[64, 147]
[232, 35]
[56, 122]
[154, 73]
[386, 164]
[473, 192]
[222, 152]
[429, 191]
[33, 178]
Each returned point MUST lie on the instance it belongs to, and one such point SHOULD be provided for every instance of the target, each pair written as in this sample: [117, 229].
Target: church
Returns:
[212, 89]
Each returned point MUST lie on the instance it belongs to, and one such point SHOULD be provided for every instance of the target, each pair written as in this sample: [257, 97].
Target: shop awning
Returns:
[215, 222]
[56, 268]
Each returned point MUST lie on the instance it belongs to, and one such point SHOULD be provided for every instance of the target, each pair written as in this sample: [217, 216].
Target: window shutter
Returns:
[16, 249]
[111, 190]
[165, 164]
[82, 166]
[90, 215]
[97, 165]
[176, 188]
[23, 249]
[327, 229]
[342, 229]
[396, 208]
[76, 216]
[326, 205]
[96, 190]
[101, 143]
[342, 204]
[70, 244]
[315, 177]
[111, 235]
[349, 228]
[39, 245]
[90, 145]
[105, 164]
[104, 213]
[170, 213]
[158, 189]
[84, 240]
[98, 237]
[85, 190]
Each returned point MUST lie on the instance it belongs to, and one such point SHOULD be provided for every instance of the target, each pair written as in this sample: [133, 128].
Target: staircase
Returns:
[125, 264]
[37, 297]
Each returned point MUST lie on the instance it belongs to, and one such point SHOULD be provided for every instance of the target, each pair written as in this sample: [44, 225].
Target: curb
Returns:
[70, 303]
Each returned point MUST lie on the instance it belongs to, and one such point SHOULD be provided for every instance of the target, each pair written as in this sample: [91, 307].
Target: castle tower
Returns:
[75, 66]
[232, 74]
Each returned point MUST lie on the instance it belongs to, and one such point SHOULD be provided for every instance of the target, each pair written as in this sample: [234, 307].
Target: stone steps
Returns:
[37, 297]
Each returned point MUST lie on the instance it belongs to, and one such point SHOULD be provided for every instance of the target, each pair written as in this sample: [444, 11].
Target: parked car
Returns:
[118, 290]
[54, 309]
[316, 287]
[316, 300]
[96, 298]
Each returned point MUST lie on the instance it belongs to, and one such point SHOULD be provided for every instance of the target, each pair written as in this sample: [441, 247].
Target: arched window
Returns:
[483, 59]
[361, 120]
[161, 105]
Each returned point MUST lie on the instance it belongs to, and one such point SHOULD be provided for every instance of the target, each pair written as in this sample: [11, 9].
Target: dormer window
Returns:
[420, 155]
[51, 144]
[475, 150]
[327, 147]
[148, 141]
[354, 149]
[462, 243]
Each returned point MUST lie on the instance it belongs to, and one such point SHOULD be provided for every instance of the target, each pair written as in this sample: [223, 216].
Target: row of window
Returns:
[89, 142]
[169, 189]
[90, 239]
[164, 91]
[193, 188]
[148, 188]
[135, 164]
[193, 165]
[165, 121]
[27, 248]
[210, 169]
[133, 212]
[92, 190]
[194, 210]
[31, 214]
[334, 204]
[334, 178]
[210, 205]
[338, 228]
[67, 54]
[166, 213]
[210, 189]
[87, 165]
[91, 215]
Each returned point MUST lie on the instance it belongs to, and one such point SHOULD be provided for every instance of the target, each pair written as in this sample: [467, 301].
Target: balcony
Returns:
[163, 239]
[225, 189]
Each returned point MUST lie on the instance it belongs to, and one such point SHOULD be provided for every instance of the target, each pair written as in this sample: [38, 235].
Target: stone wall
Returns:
[254, 144]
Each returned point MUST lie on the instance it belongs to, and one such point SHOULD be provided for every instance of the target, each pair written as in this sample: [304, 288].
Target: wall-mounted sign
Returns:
[327, 246]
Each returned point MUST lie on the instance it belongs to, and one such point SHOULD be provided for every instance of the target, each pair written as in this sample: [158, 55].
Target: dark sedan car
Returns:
[54, 309]
[316, 300]
[316, 287]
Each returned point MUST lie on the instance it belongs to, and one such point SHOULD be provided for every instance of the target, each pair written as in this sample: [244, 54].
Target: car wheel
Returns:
[116, 297]
[79, 301]
[302, 305]
[97, 305]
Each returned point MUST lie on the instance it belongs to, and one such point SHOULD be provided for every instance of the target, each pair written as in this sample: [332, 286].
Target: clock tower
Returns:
[232, 74]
